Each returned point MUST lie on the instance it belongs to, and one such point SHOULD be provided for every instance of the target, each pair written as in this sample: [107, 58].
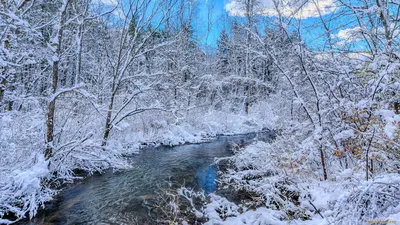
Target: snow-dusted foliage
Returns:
[83, 83]
[22, 189]
[198, 125]
[373, 200]
[28, 180]
[339, 118]
[22, 166]
[286, 188]
[221, 211]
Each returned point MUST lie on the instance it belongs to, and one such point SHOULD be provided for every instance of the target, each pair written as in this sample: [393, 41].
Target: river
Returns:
[122, 197]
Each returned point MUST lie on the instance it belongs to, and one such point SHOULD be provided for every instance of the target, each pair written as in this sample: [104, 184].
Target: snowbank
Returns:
[292, 196]
[27, 180]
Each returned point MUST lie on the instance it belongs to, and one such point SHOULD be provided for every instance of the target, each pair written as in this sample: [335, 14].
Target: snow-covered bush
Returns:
[280, 177]
[22, 166]
[373, 200]
[27, 179]
[221, 211]
[269, 175]
[194, 126]
[23, 188]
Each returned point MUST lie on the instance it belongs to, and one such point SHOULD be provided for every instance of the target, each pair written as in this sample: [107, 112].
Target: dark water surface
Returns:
[122, 197]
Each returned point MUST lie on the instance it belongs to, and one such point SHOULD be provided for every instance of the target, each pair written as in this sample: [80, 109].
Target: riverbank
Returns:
[264, 185]
[140, 193]
[30, 181]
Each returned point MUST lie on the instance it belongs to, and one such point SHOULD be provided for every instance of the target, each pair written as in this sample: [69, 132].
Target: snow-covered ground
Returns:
[282, 178]
[291, 196]
[28, 180]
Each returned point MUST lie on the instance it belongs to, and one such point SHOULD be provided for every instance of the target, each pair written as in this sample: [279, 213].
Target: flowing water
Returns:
[122, 197]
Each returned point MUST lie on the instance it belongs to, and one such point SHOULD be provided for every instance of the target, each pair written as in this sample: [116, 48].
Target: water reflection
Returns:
[206, 179]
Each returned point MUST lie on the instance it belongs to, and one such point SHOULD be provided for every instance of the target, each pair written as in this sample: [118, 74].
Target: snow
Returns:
[261, 216]
[334, 109]
[24, 171]
[55, 58]
[2, 62]
[344, 135]
[65, 90]
[217, 205]
[392, 122]
[21, 134]
[258, 170]
[346, 174]
[25, 185]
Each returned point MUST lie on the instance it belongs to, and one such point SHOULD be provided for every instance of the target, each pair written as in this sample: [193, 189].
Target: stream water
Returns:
[121, 197]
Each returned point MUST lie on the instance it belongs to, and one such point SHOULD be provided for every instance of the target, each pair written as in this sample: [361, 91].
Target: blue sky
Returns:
[222, 8]
[342, 29]
[312, 29]
[218, 15]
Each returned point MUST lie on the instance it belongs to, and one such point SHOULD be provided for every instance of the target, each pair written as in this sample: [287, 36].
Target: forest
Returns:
[86, 83]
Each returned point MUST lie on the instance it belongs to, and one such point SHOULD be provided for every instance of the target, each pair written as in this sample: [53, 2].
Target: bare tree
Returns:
[133, 39]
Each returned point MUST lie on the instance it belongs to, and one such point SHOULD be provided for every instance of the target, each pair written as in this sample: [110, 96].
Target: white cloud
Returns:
[350, 34]
[297, 8]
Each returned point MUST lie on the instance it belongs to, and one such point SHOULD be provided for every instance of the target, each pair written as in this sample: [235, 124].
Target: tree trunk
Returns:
[2, 88]
[51, 113]
[108, 126]
[322, 155]
[396, 107]
[79, 53]
[52, 104]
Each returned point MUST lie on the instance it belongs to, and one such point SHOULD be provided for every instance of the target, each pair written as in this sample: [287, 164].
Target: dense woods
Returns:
[84, 82]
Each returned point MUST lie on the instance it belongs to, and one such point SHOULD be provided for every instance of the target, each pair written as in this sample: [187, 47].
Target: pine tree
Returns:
[223, 54]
